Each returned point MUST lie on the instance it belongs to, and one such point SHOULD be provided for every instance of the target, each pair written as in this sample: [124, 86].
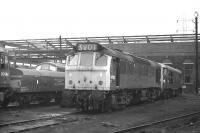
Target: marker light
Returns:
[100, 82]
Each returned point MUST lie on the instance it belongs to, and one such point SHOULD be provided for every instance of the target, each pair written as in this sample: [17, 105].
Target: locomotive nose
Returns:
[85, 80]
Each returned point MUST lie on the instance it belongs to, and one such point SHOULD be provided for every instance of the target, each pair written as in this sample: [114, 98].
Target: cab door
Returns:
[115, 72]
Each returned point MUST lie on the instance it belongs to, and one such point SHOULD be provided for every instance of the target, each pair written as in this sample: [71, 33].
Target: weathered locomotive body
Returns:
[41, 85]
[99, 78]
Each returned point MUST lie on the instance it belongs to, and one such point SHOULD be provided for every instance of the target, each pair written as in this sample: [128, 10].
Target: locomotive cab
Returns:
[78, 71]
[87, 75]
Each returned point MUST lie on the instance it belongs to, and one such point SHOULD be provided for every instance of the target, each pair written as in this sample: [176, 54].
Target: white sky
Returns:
[26, 19]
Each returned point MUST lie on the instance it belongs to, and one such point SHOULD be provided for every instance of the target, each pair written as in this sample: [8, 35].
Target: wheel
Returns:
[67, 99]
[5, 103]
[8, 95]
[23, 101]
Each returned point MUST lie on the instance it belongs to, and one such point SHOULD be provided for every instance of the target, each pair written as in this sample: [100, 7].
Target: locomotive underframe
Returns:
[5, 96]
[26, 98]
[97, 100]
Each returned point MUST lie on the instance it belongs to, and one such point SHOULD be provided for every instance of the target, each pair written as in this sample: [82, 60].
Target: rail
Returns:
[27, 125]
[148, 124]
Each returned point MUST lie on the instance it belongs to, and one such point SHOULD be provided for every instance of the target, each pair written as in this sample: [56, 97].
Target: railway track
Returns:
[16, 106]
[26, 125]
[187, 120]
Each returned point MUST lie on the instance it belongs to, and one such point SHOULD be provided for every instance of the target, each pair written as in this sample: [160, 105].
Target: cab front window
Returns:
[86, 59]
[72, 60]
[100, 60]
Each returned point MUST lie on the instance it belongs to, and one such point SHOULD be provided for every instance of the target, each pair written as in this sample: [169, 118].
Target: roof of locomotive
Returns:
[116, 53]
[33, 72]
[127, 56]
[26, 71]
[59, 65]
[130, 57]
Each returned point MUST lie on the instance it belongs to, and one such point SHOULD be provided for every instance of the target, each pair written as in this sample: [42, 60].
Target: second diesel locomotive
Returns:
[43, 84]
[100, 78]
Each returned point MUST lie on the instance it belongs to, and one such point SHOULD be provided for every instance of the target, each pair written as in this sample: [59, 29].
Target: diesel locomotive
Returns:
[43, 84]
[5, 89]
[25, 86]
[101, 78]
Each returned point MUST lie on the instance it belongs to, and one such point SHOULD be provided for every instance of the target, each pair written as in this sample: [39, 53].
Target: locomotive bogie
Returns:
[43, 98]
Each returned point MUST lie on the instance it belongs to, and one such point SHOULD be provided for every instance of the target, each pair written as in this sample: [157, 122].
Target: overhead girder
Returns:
[32, 45]
[42, 55]
[58, 47]
[61, 52]
[50, 44]
[15, 45]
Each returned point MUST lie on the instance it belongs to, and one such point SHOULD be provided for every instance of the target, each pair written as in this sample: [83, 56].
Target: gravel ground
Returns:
[190, 129]
[112, 121]
[31, 113]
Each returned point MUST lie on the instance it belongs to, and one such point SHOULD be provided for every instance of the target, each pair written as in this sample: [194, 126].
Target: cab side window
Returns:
[45, 67]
